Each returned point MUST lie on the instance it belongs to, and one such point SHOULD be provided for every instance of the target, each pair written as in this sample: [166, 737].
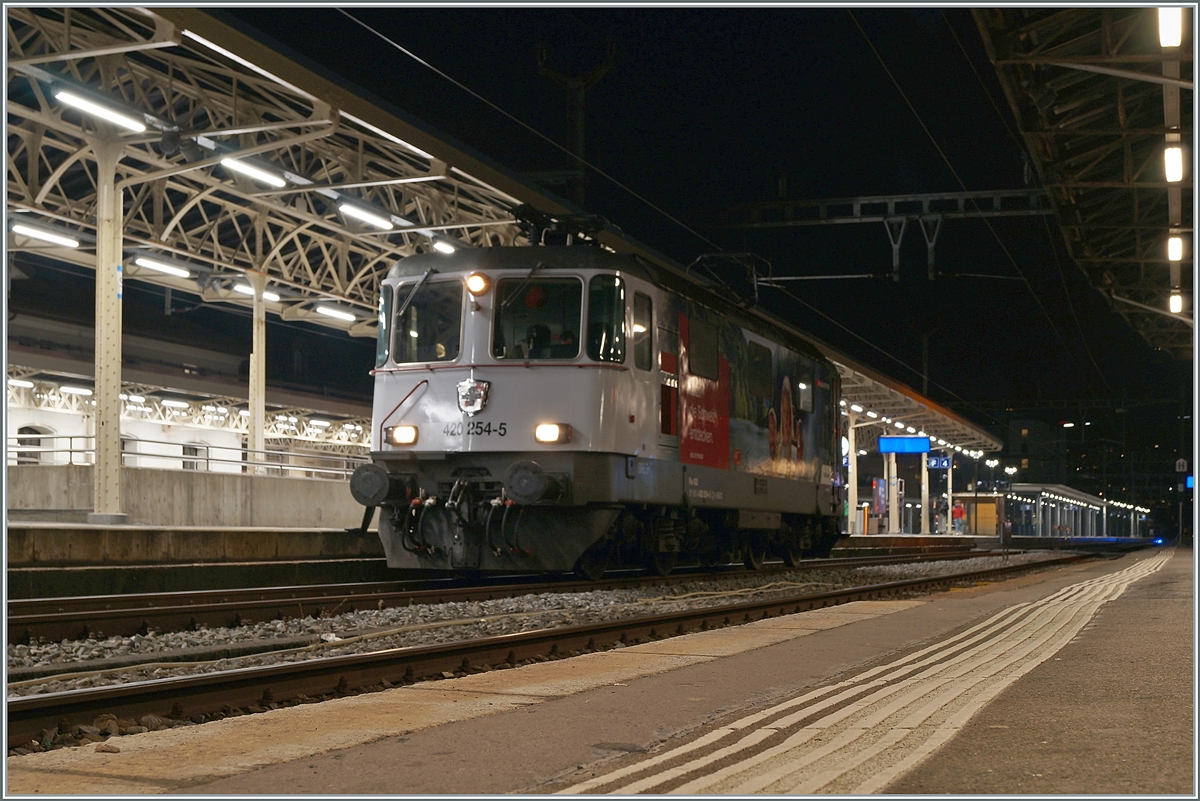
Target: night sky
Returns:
[705, 108]
[709, 107]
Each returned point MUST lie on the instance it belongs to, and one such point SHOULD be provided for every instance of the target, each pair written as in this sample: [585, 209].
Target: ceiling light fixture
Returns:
[1170, 27]
[103, 112]
[246, 289]
[162, 267]
[442, 246]
[254, 172]
[45, 236]
[1176, 303]
[366, 216]
[1175, 248]
[20, 382]
[336, 314]
[1173, 163]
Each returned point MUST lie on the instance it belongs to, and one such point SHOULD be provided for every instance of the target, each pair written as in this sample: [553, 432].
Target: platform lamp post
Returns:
[992, 463]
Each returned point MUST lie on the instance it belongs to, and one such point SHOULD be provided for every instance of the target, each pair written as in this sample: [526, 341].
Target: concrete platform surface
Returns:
[1098, 700]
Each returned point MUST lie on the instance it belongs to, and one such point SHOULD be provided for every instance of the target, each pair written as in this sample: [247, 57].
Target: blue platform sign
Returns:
[1191, 482]
[939, 462]
[904, 444]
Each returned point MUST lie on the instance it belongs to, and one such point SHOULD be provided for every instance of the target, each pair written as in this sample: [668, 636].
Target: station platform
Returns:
[52, 559]
[1101, 704]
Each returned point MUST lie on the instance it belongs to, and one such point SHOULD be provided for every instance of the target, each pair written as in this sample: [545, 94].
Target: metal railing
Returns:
[53, 449]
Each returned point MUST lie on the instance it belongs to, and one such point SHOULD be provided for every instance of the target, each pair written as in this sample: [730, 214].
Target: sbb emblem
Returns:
[472, 395]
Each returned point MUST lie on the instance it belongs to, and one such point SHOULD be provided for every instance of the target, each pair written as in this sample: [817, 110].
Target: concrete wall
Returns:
[184, 498]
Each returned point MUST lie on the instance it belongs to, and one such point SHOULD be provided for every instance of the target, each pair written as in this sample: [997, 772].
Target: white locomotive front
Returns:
[547, 409]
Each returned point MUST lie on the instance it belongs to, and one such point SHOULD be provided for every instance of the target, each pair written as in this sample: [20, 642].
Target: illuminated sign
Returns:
[904, 444]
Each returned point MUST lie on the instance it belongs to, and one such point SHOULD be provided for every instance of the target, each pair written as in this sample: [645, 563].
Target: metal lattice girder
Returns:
[884, 208]
[1097, 141]
[185, 205]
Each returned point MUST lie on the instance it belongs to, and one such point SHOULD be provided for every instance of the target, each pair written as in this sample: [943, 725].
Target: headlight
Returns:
[401, 435]
[478, 284]
[552, 432]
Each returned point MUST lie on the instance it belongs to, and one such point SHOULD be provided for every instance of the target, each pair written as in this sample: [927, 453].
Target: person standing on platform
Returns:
[958, 515]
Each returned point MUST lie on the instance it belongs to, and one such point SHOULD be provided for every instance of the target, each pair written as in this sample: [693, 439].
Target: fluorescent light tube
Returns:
[336, 314]
[366, 216]
[103, 112]
[246, 289]
[162, 267]
[45, 236]
[254, 172]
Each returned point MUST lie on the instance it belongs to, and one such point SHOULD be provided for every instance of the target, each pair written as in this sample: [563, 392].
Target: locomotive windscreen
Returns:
[429, 330]
[537, 319]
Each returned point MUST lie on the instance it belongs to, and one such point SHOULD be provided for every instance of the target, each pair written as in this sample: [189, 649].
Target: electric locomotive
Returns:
[558, 408]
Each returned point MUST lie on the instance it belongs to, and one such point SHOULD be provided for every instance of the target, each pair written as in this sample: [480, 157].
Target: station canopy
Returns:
[1099, 95]
[346, 184]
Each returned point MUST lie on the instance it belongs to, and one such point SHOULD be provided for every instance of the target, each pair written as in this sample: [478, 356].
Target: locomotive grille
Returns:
[480, 490]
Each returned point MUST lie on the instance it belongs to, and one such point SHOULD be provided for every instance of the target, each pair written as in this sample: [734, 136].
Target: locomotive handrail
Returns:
[397, 406]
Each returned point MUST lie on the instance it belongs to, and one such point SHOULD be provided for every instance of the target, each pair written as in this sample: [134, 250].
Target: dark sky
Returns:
[709, 107]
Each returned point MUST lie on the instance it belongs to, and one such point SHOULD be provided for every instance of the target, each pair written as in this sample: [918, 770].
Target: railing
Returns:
[51, 449]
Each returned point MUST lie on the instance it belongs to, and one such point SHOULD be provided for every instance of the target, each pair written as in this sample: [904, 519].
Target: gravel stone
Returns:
[368, 630]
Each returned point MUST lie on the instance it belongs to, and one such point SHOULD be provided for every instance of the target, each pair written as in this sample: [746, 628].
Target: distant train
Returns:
[558, 408]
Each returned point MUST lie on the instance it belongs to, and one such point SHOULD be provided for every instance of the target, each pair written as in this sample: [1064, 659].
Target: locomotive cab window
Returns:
[702, 349]
[643, 343]
[606, 319]
[759, 373]
[429, 328]
[537, 319]
[385, 316]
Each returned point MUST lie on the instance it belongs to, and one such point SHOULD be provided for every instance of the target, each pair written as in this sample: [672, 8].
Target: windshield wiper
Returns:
[512, 296]
[407, 301]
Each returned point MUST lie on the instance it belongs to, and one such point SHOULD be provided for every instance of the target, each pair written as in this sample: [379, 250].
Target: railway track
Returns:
[56, 619]
[205, 696]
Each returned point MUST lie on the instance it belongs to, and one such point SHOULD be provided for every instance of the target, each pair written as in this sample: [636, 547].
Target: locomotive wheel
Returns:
[661, 563]
[754, 552]
[594, 561]
[789, 546]
[791, 552]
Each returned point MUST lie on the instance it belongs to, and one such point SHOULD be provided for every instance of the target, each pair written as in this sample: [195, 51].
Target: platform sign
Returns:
[904, 444]
[939, 462]
[1191, 482]
[1181, 465]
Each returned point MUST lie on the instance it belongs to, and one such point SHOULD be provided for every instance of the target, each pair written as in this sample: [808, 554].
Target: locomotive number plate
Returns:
[475, 428]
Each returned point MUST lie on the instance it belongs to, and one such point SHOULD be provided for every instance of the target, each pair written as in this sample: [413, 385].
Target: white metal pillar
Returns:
[258, 370]
[852, 480]
[925, 493]
[893, 490]
[106, 475]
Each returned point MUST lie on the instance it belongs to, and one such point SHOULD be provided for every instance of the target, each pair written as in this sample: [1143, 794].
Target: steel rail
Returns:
[205, 694]
[56, 619]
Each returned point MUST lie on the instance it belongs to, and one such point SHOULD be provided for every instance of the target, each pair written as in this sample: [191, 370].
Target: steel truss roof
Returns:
[197, 211]
[1096, 97]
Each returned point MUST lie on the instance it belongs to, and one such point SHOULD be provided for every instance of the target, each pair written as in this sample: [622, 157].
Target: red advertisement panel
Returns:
[703, 410]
